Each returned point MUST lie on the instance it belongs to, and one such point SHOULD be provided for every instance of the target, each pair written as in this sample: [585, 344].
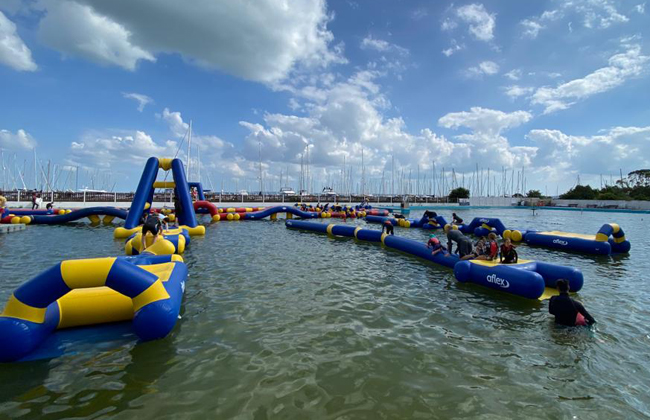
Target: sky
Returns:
[557, 90]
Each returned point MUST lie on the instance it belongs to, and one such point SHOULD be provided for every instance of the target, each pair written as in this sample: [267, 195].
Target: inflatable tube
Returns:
[182, 191]
[527, 278]
[174, 241]
[79, 214]
[30, 212]
[147, 290]
[610, 239]
[142, 193]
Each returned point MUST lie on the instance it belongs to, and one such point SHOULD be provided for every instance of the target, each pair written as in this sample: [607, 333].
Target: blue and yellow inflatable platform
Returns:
[146, 290]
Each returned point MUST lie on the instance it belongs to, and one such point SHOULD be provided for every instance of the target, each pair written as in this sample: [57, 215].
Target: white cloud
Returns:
[19, 141]
[177, 126]
[514, 74]
[481, 23]
[515, 91]
[13, 51]
[142, 100]
[370, 43]
[640, 8]
[448, 25]
[488, 68]
[531, 28]
[485, 120]
[263, 42]
[455, 47]
[418, 14]
[622, 67]
[626, 148]
[76, 29]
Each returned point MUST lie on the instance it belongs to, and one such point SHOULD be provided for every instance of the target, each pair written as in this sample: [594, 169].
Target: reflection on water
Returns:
[286, 324]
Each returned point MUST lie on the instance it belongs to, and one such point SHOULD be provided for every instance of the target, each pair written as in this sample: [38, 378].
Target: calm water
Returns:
[287, 324]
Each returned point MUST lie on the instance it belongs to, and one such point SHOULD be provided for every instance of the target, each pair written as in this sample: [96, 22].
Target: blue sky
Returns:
[559, 88]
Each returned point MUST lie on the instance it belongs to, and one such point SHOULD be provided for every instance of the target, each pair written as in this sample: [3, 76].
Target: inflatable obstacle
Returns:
[526, 278]
[143, 197]
[173, 241]
[610, 239]
[146, 290]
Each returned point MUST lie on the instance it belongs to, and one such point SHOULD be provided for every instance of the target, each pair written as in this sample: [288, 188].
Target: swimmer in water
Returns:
[567, 311]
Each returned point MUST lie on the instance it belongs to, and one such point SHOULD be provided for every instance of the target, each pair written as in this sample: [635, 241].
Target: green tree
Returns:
[459, 192]
[534, 194]
[580, 192]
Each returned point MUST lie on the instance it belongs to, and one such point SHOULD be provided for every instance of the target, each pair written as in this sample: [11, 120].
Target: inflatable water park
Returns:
[144, 288]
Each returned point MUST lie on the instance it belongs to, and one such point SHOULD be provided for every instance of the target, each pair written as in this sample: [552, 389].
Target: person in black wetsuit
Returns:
[456, 220]
[463, 243]
[388, 226]
[566, 310]
[430, 214]
[178, 208]
[152, 224]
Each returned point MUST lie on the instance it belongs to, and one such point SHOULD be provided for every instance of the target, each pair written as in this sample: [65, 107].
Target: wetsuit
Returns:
[463, 243]
[430, 214]
[388, 226]
[508, 254]
[566, 310]
[152, 224]
[457, 220]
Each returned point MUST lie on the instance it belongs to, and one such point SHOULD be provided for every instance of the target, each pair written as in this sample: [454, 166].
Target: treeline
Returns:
[636, 186]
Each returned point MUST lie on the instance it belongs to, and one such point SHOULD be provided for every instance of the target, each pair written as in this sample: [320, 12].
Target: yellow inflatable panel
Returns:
[494, 263]
[569, 235]
[548, 293]
[96, 305]
[164, 184]
[17, 309]
[195, 231]
[121, 232]
[165, 163]
[80, 274]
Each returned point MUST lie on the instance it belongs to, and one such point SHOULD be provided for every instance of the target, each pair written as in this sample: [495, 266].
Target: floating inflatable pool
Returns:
[527, 278]
[144, 289]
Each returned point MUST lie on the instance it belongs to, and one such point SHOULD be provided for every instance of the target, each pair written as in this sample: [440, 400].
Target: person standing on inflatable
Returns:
[388, 226]
[463, 243]
[567, 311]
[456, 220]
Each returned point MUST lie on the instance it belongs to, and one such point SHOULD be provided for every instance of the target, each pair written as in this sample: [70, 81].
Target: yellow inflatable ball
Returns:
[517, 236]
[220, 210]
[237, 216]
[15, 220]
[230, 216]
[216, 218]
[61, 211]
[26, 220]
[454, 227]
[68, 211]
[507, 234]
[407, 224]
[172, 217]
[147, 205]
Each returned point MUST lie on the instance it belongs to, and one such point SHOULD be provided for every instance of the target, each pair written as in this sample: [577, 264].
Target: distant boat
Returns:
[287, 191]
[328, 191]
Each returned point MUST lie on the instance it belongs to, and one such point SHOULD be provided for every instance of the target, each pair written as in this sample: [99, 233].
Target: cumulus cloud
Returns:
[77, 30]
[13, 51]
[485, 120]
[260, 40]
[19, 141]
[515, 91]
[370, 43]
[612, 149]
[531, 28]
[142, 100]
[622, 67]
[481, 23]
[453, 48]
[488, 68]
[177, 126]
[514, 74]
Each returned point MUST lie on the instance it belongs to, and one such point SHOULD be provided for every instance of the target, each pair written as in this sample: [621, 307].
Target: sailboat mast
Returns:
[189, 152]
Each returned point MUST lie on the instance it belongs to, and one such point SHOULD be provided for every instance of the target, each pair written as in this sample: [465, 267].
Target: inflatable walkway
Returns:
[73, 293]
[143, 197]
[173, 241]
[527, 278]
[610, 239]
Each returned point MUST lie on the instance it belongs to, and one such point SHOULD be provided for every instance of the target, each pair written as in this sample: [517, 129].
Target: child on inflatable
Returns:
[508, 253]
[567, 311]
[435, 244]
[388, 226]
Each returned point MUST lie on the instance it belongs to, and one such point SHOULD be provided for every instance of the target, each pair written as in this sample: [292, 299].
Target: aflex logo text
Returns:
[560, 242]
[492, 278]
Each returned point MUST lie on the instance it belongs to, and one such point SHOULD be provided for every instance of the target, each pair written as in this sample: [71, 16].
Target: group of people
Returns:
[486, 248]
